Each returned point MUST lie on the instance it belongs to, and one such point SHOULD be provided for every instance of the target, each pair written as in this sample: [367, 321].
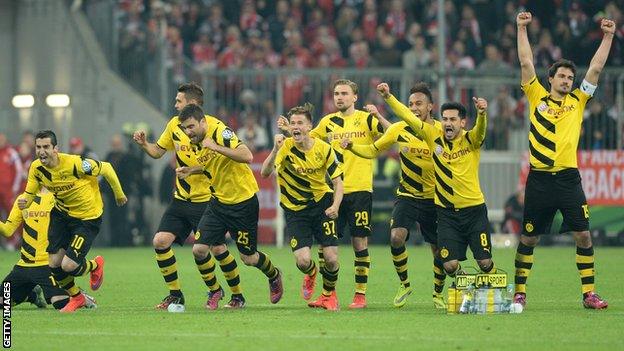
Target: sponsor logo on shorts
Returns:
[293, 243]
[444, 252]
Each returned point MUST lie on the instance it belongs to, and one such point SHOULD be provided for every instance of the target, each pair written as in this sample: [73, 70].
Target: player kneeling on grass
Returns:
[31, 279]
[302, 163]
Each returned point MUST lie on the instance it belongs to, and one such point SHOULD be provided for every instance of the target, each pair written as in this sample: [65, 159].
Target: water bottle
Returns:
[481, 300]
[507, 298]
[467, 301]
[451, 307]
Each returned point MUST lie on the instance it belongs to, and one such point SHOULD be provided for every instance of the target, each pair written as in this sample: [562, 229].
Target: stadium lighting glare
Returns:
[57, 100]
[23, 101]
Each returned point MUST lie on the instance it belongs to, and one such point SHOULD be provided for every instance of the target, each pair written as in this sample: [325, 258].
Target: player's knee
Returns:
[486, 264]
[200, 251]
[161, 241]
[360, 244]
[249, 260]
[331, 262]
[303, 262]
[451, 266]
[396, 239]
[530, 241]
[583, 239]
[69, 266]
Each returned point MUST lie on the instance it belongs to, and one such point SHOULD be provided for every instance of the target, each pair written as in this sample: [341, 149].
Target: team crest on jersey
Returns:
[528, 227]
[356, 123]
[542, 107]
[227, 134]
[444, 252]
[293, 243]
[318, 157]
[438, 150]
[86, 166]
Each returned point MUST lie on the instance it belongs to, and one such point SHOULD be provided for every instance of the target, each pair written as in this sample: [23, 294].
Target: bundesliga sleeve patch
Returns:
[227, 134]
[86, 166]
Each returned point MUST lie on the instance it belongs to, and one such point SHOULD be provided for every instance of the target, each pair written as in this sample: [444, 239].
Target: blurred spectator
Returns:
[77, 147]
[599, 129]
[501, 112]
[252, 134]
[418, 56]
[26, 153]
[387, 55]
[514, 209]
[546, 51]
[127, 168]
[11, 179]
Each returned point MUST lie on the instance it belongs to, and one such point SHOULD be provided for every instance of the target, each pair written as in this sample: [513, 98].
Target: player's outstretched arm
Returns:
[32, 188]
[600, 57]
[108, 172]
[372, 109]
[477, 134]
[151, 149]
[525, 55]
[269, 164]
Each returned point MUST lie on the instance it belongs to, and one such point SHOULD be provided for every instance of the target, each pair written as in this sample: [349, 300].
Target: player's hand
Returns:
[372, 109]
[139, 137]
[384, 90]
[208, 143]
[21, 203]
[607, 26]
[332, 212]
[282, 123]
[278, 141]
[346, 143]
[523, 19]
[480, 104]
[121, 201]
[183, 172]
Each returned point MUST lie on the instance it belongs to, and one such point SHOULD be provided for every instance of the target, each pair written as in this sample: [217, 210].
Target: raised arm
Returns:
[32, 188]
[269, 164]
[151, 149]
[525, 55]
[15, 219]
[476, 135]
[600, 57]
[372, 109]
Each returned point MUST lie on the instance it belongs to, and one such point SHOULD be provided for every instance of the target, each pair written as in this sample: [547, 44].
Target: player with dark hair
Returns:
[414, 202]
[554, 182]
[192, 192]
[77, 214]
[233, 207]
[460, 204]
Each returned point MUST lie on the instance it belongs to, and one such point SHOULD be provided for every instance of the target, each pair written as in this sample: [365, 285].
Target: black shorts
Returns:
[547, 192]
[460, 228]
[24, 279]
[311, 223]
[240, 219]
[355, 212]
[408, 210]
[181, 219]
[73, 235]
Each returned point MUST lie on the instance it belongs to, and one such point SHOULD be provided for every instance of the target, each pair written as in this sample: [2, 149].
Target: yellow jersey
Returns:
[73, 182]
[231, 182]
[362, 128]
[35, 220]
[456, 163]
[555, 127]
[196, 187]
[301, 175]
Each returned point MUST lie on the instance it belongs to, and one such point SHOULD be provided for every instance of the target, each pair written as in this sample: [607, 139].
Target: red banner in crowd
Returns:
[267, 196]
[602, 173]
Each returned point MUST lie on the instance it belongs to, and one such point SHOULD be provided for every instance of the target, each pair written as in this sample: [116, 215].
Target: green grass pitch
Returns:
[126, 319]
